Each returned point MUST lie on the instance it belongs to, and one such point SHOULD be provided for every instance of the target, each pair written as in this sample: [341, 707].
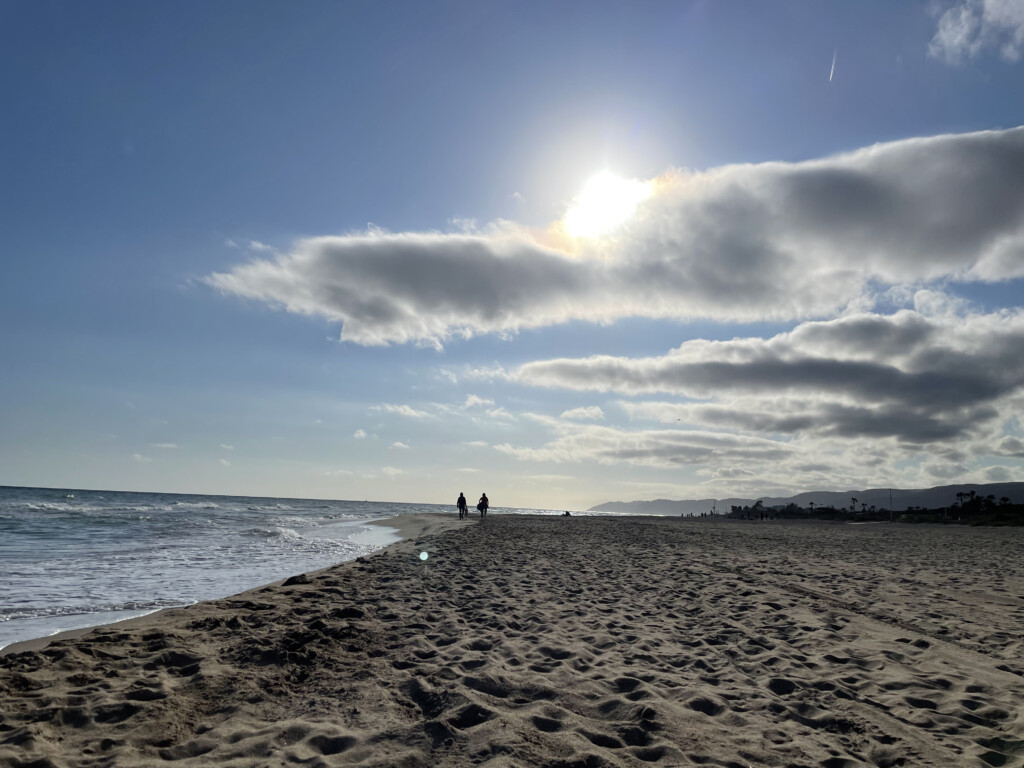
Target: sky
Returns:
[561, 252]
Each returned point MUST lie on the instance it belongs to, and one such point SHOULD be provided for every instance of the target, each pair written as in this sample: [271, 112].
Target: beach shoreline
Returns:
[566, 643]
[405, 526]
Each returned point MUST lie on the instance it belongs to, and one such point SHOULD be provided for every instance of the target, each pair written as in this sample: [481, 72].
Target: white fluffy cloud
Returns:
[776, 241]
[972, 26]
[583, 414]
[665, 448]
[401, 410]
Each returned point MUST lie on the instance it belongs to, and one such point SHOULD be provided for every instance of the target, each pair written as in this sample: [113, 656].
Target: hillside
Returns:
[929, 498]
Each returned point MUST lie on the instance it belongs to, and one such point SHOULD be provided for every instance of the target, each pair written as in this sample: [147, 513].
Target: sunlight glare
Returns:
[606, 202]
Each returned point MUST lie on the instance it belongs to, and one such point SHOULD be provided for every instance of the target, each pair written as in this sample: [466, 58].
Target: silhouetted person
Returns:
[461, 504]
[482, 505]
[567, 514]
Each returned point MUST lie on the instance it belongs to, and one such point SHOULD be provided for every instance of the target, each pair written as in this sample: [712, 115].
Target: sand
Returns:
[564, 642]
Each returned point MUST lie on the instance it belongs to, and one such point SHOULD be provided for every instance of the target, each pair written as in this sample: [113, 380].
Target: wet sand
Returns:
[565, 642]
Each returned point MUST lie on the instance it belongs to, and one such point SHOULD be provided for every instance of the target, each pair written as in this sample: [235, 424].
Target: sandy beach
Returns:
[564, 642]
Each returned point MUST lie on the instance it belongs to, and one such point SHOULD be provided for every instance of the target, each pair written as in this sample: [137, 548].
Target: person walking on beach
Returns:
[461, 504]
[482, 505]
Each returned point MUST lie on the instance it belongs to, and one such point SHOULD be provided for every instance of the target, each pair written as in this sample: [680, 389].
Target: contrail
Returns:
[832, 71]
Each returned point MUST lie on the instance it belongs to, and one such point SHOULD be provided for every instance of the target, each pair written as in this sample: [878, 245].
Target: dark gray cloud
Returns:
[914, 378]
[749, 242]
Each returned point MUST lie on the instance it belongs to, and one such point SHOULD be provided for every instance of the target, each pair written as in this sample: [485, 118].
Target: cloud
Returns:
[495, 372]
[141, 459]
[970, 27]
[917, 378]
[468, 469]
[478, 443]
[1001, 474]
[591, 412]
[473, 401]
[391, 471]
[225, 463]
[1010, 446]
[770, 241]
[653, 448]
[227, 447]
[164, 445]
[399, 446]
[359, 434]
[401, 410]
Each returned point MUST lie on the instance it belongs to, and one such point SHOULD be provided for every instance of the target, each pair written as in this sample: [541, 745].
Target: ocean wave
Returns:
[275, 532]
[61, 506]
[15, 614]
[196, 505]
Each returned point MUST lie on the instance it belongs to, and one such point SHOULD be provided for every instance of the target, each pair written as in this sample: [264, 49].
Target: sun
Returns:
[606, 202]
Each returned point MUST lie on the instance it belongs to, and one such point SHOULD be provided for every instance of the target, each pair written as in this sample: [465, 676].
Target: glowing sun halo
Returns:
[606, 202]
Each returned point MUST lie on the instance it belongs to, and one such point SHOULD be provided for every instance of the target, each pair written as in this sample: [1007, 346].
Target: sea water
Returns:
[71, 559]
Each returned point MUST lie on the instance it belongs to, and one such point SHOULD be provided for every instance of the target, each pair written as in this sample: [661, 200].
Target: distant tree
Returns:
[853, 503]
[1004, 501]
[972, 502]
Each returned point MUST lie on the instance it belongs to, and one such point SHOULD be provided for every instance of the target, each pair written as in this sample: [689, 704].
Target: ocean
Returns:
[71, 559]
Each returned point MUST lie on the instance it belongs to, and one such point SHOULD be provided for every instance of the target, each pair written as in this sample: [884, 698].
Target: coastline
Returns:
[405, 526]
[565, 643]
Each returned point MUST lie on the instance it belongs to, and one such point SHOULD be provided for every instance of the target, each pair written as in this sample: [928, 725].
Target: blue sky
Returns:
[320, 249]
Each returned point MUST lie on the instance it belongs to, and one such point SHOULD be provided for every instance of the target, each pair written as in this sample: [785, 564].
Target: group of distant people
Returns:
[481, 506]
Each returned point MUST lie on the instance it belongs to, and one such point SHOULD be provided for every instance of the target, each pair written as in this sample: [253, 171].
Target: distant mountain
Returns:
[928, 498]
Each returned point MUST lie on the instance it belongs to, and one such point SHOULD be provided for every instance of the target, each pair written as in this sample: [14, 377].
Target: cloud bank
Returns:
[771, 241]
[918, 397]
[919, 379]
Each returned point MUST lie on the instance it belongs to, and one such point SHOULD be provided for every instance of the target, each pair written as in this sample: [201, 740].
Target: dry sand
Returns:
[564, 642]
